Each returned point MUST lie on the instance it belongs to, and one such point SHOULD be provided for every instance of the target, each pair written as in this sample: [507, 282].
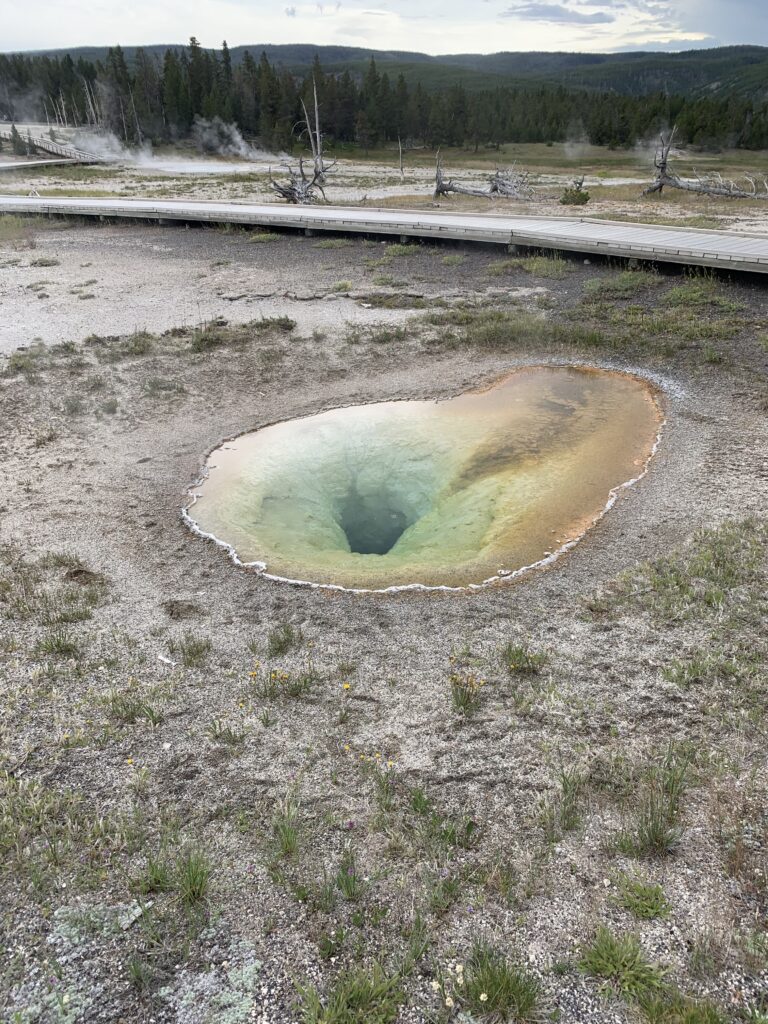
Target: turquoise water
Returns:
[448, 493]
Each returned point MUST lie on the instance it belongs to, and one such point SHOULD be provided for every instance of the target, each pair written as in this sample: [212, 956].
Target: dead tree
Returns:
[300, 189]
[315, 137]
[505, 183]
[706, 185]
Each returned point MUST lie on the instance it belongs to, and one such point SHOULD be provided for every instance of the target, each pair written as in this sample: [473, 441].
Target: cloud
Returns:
[431, 26]
[557, 13]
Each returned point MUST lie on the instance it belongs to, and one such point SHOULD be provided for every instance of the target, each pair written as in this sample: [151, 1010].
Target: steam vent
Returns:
[442, 494]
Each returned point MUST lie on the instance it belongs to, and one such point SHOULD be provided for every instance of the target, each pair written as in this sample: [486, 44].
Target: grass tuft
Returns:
[619, 962]
[357, 996]
[495, 989]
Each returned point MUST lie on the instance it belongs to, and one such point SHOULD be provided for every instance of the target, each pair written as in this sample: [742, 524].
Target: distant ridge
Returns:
[718, 72]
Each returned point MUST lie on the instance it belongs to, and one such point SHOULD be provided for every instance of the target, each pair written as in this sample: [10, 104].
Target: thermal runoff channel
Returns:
[438, 493]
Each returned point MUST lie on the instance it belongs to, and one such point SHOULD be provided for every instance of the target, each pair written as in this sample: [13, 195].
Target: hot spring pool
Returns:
[451, 493]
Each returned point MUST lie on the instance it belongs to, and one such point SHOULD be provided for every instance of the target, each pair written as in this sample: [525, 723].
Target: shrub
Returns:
[576, 195]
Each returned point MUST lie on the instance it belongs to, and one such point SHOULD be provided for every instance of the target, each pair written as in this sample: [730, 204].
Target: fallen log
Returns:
[504, 183]
[706, 185]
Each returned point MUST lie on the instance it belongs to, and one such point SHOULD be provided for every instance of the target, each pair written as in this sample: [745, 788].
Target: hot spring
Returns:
[451, 493]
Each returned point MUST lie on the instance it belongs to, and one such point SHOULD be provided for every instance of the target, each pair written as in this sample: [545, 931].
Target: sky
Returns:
[428, 26]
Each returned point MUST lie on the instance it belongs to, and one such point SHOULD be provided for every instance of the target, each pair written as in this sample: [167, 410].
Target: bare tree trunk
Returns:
[506, 184]
[139, 133]
[707, 185]
[63, 109]
[122, 117]
[320, 163]
[315, 136]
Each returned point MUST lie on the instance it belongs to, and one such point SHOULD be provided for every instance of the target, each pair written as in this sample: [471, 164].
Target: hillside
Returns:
[722, 72]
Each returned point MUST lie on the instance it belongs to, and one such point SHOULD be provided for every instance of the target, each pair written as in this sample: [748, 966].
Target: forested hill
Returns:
[162, 93]
[721, 71]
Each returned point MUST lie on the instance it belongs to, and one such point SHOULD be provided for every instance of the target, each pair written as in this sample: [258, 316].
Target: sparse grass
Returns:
[49, 833]
[332, 243]
[624, 284]
[44, 261]
[519, 659]
[276, 683]
[740, 821]
[157, 875]
[443, 893]
[466, 691]
[705, 668]
[387, 281]
[285, 829]
[712, 356]
[193, 650]
[16, 231]
[60, 644]
[375, 335]
[283, 638]
[672, 1007]
[402, 249]
[398, 300]
[656, 829]
[619, 962]
[45, 437]
[208, 337]
[702, 291]
[73, 405]
[357, 996]
[552, 267]
[264, 236]
[348, 880]
[643, 900]
[28, 363]
[341, 286]
[561, 812]
[496, 989]
[115, 349]
[221, 733]
[454, 259]
[161, 387]
[127, 708]
[706, 577]
[504, 330]
[192, 877]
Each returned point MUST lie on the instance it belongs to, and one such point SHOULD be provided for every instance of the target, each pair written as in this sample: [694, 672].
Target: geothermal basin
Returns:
[454, 493]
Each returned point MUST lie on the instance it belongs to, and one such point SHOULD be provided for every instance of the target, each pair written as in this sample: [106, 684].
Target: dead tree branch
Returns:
[703, 184]
[300, 189]
[506, 183]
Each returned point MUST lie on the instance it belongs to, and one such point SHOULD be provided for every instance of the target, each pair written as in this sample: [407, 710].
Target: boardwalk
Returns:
[69, 153]
[722, 249]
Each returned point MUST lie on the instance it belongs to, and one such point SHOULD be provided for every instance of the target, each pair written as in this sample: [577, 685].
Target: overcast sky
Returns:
[431, 26]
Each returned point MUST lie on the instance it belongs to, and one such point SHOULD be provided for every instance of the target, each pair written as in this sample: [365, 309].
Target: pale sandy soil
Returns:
[191, 176]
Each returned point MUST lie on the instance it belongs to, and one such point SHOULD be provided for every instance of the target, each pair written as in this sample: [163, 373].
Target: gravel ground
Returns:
[101, 442]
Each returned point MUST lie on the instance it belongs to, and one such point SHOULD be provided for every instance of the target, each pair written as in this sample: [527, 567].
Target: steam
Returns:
[577, 142]
[106, 146]
[214, 138]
